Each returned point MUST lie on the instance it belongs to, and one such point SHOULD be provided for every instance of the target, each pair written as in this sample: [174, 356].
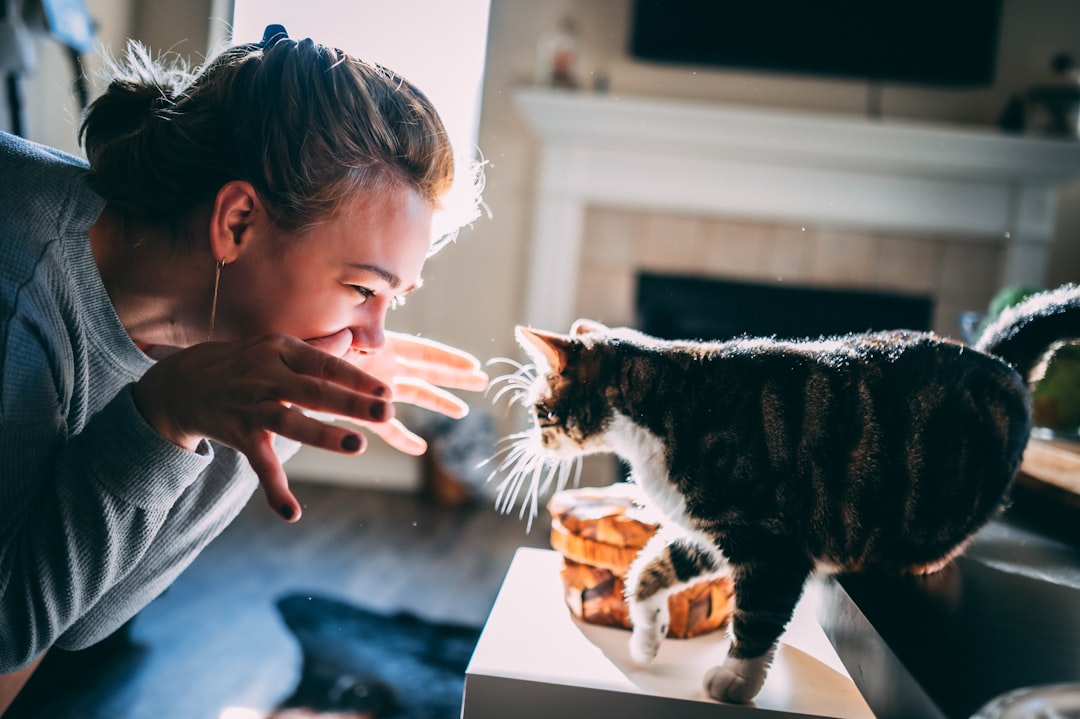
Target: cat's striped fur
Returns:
[874, 452]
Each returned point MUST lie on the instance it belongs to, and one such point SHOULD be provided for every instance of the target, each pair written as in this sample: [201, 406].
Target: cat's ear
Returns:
[547, 349]
[584, 326]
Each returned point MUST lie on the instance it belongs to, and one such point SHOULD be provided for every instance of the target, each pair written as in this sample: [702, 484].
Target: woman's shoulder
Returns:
[44, 198]
[20, 146]
[30, 165]
[42, 191]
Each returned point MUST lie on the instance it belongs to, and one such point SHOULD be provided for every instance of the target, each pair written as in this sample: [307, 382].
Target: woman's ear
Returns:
[237, 209]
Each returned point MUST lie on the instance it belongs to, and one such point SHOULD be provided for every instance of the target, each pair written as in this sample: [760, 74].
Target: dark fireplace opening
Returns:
[706, 308]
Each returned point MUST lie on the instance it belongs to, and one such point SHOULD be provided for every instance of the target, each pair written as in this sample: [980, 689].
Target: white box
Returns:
[535, 659]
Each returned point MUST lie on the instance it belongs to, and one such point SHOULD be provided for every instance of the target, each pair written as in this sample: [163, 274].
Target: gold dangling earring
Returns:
[213, 303]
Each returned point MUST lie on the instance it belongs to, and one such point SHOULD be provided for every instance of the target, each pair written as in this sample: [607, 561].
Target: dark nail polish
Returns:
[287, 511]
[350, 443]
[380, 391]
[377, 411]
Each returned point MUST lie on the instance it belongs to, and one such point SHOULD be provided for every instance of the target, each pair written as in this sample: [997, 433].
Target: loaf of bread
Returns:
[600, 526]
[599, 532]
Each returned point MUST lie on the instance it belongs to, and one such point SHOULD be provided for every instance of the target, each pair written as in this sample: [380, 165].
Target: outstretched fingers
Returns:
[421, 394]
[469, 379]
[317, 382]
[400, 437]
[437, 363]
[297, 426]
[272, 477]
[243, 393]
[308, 361]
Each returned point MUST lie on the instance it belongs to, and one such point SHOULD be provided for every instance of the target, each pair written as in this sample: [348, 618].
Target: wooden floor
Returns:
[214, 640]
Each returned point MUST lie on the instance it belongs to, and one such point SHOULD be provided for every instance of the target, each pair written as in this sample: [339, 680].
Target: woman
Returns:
[177, 318]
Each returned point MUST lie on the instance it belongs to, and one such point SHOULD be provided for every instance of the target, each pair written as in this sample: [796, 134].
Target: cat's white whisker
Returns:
[523, 434]
[501, 488]
[505, 360]
[522, 442]
[509, 387]
[565, 469]
[510, 443]
[501, 491]
[520, 398]
[522, 460]
[531, 500]
[516, 384]
[514, 456]
[548, 478]
[511, 486]
[520, 463]
[494, 455]
[512, 439]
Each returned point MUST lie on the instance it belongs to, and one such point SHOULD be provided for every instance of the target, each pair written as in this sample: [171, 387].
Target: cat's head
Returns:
[569, 397]
[568, 387]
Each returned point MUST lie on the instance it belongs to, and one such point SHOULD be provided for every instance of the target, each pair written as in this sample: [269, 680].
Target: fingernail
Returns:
[380, 391]
[350, 443]
[287, 511]
[377, 411]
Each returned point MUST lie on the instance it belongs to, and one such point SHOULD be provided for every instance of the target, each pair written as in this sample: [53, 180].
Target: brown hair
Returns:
[307, 125]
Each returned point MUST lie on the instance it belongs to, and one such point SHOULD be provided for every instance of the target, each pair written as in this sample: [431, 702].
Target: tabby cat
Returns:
[867, 452]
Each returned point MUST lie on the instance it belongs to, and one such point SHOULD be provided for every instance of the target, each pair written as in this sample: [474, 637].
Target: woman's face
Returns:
[342, 274]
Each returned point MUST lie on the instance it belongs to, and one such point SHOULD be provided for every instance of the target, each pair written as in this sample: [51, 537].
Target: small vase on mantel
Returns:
[559, 57]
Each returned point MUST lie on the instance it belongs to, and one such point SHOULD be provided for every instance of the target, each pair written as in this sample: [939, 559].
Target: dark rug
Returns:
[367, 663]
[357, 664]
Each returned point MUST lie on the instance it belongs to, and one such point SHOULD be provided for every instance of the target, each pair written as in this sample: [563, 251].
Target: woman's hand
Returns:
[243, 393]
[418, 369]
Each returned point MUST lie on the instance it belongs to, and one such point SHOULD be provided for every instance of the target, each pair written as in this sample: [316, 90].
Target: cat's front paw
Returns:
[650, 621]
[736, 680]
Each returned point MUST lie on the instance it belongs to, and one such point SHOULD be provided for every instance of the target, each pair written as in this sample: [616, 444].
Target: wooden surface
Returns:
[1053, 465]
[214, 639]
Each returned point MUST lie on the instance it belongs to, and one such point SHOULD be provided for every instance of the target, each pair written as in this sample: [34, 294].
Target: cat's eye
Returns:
[545, 415]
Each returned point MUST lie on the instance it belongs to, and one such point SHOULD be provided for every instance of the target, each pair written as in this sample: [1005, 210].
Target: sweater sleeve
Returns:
[78, 507]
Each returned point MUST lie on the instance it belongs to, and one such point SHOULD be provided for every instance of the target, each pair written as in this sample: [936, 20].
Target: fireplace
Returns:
[752, 195]
[627, 185]
[690, 307]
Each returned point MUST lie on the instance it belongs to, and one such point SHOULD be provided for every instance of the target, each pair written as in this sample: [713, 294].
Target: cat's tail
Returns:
[1024, 333]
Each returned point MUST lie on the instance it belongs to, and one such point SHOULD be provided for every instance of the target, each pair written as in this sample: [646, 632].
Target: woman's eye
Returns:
[366, 294]
[363, 292]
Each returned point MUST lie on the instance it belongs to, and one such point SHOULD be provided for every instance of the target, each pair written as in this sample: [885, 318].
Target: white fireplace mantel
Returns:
[780, 166]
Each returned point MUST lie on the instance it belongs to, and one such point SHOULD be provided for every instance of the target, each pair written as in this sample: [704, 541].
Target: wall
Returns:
[1032, 31]
[52, 112]
[50, 109]
[474, 291]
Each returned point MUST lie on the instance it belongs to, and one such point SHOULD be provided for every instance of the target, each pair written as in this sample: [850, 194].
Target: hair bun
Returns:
[271, 35]
[163, 99]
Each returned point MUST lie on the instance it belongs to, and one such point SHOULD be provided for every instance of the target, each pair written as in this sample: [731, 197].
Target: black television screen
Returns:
[924, 42]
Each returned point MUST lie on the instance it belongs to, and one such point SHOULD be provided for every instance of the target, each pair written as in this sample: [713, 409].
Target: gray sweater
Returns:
[98, 512]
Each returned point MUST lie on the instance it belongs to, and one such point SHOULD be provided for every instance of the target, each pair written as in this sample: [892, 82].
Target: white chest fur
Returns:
[645, 453]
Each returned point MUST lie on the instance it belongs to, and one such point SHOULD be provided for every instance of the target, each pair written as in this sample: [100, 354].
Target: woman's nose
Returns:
[368, 337]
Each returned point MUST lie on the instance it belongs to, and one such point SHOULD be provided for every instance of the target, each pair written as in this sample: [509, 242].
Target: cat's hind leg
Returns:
[661, 568]
[765, 597]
